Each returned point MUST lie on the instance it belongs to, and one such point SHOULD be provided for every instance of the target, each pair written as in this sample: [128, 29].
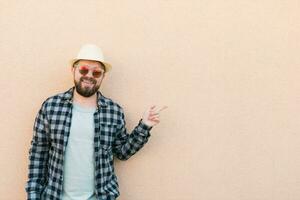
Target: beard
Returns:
[86, 91]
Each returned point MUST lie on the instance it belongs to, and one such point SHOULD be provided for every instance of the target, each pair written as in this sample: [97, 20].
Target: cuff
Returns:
[143, 128]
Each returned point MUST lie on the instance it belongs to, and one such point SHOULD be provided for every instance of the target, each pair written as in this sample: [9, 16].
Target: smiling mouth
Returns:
[87, 82]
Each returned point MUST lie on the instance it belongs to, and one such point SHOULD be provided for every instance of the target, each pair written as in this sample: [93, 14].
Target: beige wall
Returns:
[228, 70]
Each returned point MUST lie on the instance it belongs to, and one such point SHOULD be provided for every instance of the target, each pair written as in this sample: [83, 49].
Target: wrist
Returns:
[144, 125]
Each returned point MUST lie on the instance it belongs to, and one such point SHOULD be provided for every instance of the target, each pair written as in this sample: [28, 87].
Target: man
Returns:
[77, 133]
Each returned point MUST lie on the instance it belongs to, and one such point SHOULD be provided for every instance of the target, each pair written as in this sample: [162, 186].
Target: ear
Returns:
[72, 69]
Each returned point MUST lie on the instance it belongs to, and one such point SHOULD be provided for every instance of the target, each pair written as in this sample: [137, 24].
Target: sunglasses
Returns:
[84, 70]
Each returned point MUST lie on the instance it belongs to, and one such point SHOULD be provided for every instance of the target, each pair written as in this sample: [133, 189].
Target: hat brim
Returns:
[107, 65]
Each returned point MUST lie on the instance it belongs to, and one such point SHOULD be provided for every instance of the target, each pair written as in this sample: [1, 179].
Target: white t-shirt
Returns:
[79, 179]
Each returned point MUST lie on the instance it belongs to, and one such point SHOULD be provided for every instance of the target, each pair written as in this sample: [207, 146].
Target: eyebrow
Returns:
[92, 67]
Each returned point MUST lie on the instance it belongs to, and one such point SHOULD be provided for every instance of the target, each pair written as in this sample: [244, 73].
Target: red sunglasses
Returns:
[84, 70]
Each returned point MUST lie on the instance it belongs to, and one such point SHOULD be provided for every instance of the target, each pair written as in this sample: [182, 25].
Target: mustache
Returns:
[88, 79]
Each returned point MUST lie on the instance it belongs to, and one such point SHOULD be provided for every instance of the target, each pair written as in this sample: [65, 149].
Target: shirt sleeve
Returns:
[38, 156]
[125, 145]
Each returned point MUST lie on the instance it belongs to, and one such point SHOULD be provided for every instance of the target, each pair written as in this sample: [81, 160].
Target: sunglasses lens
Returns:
[97, 74]
[83, 70]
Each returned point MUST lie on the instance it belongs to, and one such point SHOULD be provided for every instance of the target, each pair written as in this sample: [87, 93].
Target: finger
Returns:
[155, 110]
[156, 121]
[154, 114]
[153, 118]
[152, 107]
[163, 108]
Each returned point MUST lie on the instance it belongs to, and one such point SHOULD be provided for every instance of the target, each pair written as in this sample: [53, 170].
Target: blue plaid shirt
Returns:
[50, 137]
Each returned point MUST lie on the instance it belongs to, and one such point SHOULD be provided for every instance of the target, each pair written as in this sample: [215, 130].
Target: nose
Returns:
[88, 78]
[90, 73]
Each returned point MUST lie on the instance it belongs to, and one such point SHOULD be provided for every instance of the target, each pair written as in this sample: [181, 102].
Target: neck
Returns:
[85, 101]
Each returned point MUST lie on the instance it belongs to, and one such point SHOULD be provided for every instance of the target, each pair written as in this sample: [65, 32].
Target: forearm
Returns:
[37, 176]
[38, 157]
[127, 145]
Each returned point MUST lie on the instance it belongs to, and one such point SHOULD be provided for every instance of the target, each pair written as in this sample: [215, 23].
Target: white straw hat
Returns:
[91, 52]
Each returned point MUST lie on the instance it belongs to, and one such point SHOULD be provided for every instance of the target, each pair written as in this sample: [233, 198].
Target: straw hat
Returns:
[91, 52]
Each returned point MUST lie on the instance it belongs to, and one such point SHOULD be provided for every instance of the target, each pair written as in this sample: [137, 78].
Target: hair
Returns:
[102, 65]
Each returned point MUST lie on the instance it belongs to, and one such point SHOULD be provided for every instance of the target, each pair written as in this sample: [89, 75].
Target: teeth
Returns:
[87, 82]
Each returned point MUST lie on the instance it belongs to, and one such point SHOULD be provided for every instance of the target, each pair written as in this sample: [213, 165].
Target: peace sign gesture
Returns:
[151, 115]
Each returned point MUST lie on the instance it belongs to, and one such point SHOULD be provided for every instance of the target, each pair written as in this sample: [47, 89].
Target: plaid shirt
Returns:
[50, 137]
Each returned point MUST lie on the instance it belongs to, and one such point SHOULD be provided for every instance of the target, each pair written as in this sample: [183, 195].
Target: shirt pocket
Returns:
[107, 135]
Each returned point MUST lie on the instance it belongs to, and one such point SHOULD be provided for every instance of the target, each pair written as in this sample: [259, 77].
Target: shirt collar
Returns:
[101, 100]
